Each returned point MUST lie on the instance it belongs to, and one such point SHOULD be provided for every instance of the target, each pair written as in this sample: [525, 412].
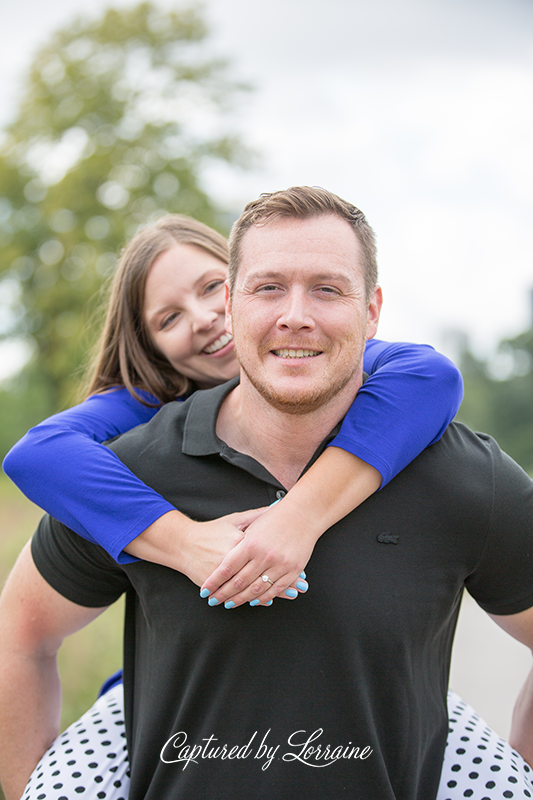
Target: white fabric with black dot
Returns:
[479, 764]
[89, 759]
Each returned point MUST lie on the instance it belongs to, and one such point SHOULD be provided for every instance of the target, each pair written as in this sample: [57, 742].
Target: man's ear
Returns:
[374, 310]
[228, 323]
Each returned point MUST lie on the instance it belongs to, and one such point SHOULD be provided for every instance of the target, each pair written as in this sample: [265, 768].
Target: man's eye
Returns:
[267, 287]
[328, 290]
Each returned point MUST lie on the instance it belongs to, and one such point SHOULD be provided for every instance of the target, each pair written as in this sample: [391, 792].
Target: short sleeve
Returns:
[502, 582]
[79, 570]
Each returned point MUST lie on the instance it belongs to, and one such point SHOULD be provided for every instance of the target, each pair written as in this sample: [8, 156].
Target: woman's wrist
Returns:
[334, 486]
[163, 542]
[294, 515]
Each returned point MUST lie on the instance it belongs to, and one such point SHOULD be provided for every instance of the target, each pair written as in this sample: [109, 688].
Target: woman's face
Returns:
[184, 312]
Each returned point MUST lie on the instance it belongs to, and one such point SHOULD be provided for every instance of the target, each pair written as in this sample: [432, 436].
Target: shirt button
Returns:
[280, 494]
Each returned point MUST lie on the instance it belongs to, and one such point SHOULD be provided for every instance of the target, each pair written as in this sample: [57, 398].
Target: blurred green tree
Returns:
[499, 396]
[117, 123]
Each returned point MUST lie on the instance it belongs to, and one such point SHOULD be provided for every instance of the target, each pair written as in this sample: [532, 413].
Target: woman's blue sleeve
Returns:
[61, 467]
[411, 395]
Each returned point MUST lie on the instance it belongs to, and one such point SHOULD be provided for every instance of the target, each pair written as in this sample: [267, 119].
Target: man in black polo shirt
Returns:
[342, 694]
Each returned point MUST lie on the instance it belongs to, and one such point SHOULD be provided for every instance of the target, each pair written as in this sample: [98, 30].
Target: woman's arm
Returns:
[61, 467]
[411, 395]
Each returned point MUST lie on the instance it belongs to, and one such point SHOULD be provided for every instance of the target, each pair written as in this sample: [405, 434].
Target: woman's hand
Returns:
[197, 549]
[274, 546]
[278, 544]
[228, 557]
[192, 548]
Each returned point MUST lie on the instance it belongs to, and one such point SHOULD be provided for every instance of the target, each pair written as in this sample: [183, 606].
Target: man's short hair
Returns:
[304, 202]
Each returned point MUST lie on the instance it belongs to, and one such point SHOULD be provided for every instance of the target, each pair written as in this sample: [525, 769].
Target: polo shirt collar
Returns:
[199, 434]
[200, 438]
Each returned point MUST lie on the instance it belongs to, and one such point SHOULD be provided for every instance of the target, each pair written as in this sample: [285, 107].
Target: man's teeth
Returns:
[219, 344]
[296, 353]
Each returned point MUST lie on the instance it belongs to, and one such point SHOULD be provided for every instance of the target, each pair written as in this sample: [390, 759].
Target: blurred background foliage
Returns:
[499, 396]
[118, 121]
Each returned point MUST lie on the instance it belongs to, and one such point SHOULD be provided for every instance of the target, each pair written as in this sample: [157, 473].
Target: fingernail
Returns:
[206, 592]
[291, 593]
[229, 604]
[269, 603]
[255, 602]
[212, 601]
[302, 586]
[303, 575]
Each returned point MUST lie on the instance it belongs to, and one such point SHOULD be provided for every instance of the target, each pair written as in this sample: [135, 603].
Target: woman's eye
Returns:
[213, 286]
[168, 320]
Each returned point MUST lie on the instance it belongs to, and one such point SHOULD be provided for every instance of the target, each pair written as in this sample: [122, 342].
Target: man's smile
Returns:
[286, 353]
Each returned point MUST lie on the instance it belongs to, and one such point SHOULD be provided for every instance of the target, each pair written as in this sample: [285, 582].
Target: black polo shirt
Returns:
[341, 693]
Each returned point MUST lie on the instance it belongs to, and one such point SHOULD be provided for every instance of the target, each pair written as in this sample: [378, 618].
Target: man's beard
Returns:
[298, 402]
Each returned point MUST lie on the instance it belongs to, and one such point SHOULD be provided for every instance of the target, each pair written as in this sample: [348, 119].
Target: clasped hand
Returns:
[267, 562]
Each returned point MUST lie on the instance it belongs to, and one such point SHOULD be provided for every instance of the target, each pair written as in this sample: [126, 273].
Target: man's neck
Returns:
[283, 443]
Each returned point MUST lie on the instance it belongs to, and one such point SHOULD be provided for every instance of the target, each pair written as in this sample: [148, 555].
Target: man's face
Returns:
[299, 315]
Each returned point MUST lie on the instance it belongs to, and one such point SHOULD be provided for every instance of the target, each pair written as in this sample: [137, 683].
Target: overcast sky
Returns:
[420, 112]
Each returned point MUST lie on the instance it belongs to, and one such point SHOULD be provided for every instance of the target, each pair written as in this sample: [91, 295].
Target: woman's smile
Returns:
[184, 312]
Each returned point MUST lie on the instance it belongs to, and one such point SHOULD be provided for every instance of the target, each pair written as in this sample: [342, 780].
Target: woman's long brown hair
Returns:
[124, 354]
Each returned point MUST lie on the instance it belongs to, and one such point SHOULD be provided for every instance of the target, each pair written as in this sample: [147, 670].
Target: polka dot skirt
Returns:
[479, 764]
[89, 760]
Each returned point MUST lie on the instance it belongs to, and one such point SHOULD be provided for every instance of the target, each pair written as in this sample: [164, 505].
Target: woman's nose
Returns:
[203, 318]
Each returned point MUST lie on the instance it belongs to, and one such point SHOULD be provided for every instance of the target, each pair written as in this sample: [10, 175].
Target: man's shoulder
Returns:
[462, 441]
[471, 459]
[460, 437]
[192, 420]
[167, 423]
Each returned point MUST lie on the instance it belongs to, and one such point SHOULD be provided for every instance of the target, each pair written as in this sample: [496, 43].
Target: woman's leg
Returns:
[89, 760]
[478, 763]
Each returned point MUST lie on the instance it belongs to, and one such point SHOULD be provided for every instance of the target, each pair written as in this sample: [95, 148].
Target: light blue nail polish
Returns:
[291, 593]
[255, 602]
[302, 586]
[229, 604]
[303, 575]
[212, 601]
[206, 592]
[269, 603]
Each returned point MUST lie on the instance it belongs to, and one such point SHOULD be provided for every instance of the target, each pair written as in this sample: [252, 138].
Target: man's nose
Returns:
[296, 312]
